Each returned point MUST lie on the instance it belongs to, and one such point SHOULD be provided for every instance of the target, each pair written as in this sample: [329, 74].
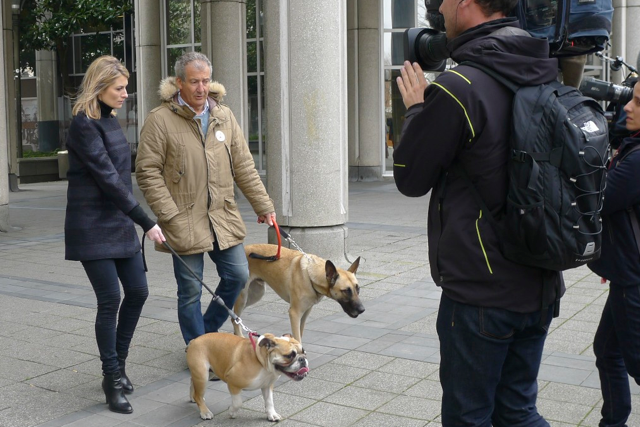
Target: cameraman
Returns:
[490, 322]
[617, 341]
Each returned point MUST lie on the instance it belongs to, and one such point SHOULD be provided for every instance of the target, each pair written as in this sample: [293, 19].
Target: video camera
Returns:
[572, 27]
[428, 46]
[601, 90]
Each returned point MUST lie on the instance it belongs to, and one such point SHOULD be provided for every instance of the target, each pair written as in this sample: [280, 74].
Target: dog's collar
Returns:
[313, 286]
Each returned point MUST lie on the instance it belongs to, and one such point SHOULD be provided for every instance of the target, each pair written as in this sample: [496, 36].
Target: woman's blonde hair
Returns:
[100, 75]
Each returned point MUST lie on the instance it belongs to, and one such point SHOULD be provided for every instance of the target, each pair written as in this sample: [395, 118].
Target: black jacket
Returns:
[465, 119]
[620, 260]
[101, 208]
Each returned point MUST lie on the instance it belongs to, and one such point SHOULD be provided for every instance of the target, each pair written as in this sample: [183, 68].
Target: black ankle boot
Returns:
[124, 379]
[114, 394]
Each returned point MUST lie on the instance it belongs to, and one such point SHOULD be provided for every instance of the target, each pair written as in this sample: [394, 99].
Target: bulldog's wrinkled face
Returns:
[286, 355]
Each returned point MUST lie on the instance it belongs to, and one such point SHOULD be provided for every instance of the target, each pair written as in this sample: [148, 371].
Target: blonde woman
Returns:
[99, 224]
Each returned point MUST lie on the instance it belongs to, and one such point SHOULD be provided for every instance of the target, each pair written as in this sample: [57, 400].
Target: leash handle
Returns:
[275, 224]
[272, 257]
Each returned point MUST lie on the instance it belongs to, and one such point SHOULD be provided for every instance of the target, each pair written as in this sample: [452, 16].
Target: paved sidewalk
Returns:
[379, 369]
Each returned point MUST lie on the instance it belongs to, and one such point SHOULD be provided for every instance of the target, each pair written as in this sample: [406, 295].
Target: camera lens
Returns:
[427, 47]
[605, 91]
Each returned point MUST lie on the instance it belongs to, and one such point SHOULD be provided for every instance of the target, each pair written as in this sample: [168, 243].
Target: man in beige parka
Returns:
[191, 152]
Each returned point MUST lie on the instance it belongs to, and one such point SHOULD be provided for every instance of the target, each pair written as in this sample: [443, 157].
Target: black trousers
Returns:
[115, 322]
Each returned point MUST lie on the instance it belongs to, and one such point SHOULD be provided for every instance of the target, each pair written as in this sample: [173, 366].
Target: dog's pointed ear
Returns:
[332, 273]
[354, 266]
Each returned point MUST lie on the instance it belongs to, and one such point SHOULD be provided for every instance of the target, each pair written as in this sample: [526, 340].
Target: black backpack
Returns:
[557, 174]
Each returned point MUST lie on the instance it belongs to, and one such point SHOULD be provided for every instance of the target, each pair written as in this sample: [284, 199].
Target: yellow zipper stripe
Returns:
[473, 132]
[486, 258]
[460, 75]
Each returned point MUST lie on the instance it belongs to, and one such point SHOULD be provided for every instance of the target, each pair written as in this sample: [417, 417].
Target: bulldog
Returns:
[300, 279]
[244, 364]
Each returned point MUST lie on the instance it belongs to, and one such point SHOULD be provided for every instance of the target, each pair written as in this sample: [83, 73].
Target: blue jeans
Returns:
[489, 361]
[233, 270]
[115, 322]
[617, 349]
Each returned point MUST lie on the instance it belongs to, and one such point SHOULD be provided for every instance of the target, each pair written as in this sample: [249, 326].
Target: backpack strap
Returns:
[636, 148]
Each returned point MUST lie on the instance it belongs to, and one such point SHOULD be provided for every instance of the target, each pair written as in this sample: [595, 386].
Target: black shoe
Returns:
[127, 386]
[114, 394]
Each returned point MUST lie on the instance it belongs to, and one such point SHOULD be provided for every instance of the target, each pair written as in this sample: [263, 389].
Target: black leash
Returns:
[216, 298]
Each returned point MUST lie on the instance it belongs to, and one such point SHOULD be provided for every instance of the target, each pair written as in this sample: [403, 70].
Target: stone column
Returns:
[625, 40]
[366, 95]
[149, 57]
[632, 53]
[306, 107]
[4, 131]
[224, 41]
[8, 86]
[47, 87]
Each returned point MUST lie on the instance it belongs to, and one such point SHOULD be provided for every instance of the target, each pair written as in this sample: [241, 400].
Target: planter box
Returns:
[38, 169]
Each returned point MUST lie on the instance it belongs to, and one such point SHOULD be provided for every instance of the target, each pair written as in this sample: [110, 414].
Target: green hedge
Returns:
[32, 154]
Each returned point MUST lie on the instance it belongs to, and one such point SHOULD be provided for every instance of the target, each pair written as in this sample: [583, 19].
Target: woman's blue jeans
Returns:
[489, 362]
[617, 349]
[114, 328]
[233, 270]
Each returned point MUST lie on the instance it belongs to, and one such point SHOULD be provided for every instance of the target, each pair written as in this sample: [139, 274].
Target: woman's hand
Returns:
[156, 235]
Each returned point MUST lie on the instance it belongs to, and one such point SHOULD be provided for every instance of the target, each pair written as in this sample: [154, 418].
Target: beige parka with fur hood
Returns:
[187, 180]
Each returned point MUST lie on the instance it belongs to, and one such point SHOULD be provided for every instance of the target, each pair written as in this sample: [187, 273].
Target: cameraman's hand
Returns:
[412, 84]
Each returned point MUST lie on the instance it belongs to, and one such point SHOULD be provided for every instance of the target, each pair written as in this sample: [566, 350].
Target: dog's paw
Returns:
[206, 415]
[274, 417]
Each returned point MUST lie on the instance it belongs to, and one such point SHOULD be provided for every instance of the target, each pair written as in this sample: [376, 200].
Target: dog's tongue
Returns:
[303, 371]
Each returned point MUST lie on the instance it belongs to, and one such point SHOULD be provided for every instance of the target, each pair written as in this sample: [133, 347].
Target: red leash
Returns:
[275, 224]
[273, 257]
[251, 335]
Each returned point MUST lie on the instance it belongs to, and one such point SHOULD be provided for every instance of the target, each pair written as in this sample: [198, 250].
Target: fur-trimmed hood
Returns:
[169, 88]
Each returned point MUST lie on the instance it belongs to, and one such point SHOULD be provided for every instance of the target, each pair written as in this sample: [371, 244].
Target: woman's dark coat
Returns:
[99, 196]
[620, 259]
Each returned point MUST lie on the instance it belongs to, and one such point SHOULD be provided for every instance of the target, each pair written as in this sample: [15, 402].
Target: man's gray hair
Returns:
[200, 60]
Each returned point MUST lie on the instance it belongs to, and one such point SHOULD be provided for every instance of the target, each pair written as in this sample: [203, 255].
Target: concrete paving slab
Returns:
[378, 369]
[330, 415]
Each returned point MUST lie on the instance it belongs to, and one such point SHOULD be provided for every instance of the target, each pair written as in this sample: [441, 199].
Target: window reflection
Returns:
[398, 15]
[182, 29]
[255, 81]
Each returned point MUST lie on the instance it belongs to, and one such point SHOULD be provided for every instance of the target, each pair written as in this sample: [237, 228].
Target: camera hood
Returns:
[427, 47]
